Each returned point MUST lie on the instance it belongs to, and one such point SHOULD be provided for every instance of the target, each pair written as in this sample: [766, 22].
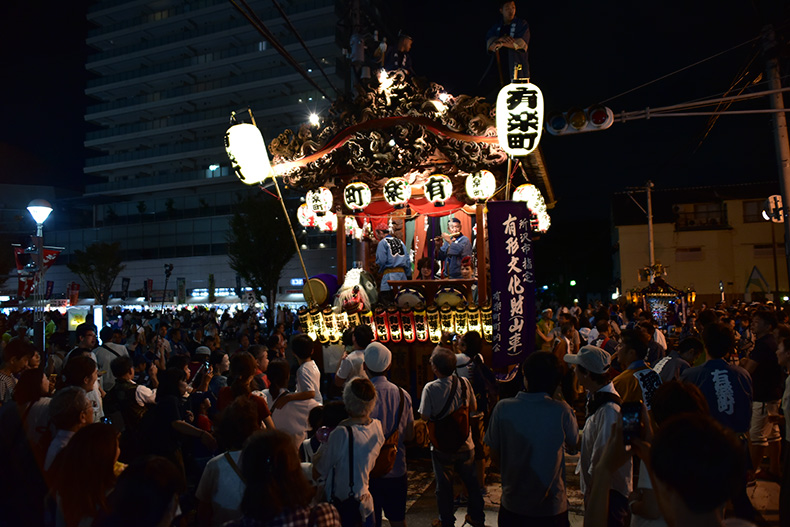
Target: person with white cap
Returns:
[394, 409]
[603, 410]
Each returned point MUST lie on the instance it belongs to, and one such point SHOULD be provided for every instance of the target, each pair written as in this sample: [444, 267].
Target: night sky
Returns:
[581, 53]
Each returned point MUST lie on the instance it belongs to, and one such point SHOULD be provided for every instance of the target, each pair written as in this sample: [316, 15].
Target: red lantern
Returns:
[381, 323]
[408, 324]
[394, 322]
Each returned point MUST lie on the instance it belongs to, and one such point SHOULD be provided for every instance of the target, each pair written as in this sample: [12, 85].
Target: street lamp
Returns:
[40, 210]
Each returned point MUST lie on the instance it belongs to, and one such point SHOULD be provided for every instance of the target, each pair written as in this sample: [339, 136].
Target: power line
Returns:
[304, 45]
[647, 113]
[680, 70]
[259, 26]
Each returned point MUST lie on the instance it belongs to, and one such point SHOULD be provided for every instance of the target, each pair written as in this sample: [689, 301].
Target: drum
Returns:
[409, 298]
[450, 296]
[324, 287]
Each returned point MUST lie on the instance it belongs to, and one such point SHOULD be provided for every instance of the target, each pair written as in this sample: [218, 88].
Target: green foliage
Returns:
[98, 266]
[260, 243]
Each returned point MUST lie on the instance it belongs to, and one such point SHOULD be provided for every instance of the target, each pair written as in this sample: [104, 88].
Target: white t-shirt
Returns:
[104, 358]
[332, 463]
[308, 377]
[351, 366]
[222, 487]
[291, 418]
[94, 396]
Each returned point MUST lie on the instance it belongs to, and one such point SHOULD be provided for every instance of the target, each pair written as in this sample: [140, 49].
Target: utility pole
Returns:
[651, 245]
[780, 129]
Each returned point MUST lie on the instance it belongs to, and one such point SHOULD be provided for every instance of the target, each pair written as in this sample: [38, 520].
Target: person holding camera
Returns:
[603, 410]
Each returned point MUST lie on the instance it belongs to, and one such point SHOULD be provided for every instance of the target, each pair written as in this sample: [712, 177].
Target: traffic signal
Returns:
[576, 120]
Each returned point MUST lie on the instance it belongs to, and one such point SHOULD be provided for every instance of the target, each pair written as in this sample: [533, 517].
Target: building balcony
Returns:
[165, 99]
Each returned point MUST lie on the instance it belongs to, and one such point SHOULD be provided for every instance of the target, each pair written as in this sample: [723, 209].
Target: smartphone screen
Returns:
[632, 421]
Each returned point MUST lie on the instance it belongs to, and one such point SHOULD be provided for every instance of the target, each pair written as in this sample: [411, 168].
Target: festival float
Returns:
[406, 152]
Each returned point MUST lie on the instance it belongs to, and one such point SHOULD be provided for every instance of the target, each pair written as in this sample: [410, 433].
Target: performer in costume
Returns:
[454, 248]
[392, 259]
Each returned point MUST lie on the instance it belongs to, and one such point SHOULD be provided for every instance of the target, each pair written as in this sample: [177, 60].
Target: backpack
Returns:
[448, 433]
[385, 461]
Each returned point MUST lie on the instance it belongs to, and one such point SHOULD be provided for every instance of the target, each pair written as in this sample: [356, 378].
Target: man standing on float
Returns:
[392, 259]
[454, 248]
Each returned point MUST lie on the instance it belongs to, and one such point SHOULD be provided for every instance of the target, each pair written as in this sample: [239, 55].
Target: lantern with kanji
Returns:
[304, 320]
[487, 322]
[481, 185]
[394, 323]
[434, 325]
[446, 318]
[421, 324]
[461, 317]
[366, 317]
[438, 188]
[519, 118]
[397, 192]
[356, 195]
[319, 201]
[381, 323]
[407, 324]
[473, 319]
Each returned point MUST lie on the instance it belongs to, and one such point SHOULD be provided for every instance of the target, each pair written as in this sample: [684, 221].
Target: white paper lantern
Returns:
[537, 205]
[353, 229]
[481, 185]
[319, 201]
[305, 216]
[327, 222]
[438, 188]
[397, 191]
[357, 195]
[519, 118]
[247, 153]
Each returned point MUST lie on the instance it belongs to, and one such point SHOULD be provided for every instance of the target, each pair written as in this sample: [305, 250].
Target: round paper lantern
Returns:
[247, 153]
[438, 188]
[319, 201]
[481, 185]
[519, 118]
[397, 191]
[305, 216]
[357, 195]
[534, 199]
[353, 229]
[327, 222]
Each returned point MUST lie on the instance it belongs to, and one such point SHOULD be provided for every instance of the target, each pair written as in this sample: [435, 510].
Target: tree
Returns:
[98, 266]
[260, 244]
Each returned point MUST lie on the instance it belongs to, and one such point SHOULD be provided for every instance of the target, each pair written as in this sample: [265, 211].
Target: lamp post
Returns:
[40, 210]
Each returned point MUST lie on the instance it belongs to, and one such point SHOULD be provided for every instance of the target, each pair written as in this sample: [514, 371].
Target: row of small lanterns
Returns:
[395, 324]
[480, 186]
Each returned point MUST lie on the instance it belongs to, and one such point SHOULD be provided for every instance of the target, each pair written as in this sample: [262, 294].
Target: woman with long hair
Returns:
[31, 397]
[84, 474]
[242, 370]
[277, 492]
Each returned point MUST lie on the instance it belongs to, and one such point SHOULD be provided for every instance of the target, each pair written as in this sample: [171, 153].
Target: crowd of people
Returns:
[190, 418]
